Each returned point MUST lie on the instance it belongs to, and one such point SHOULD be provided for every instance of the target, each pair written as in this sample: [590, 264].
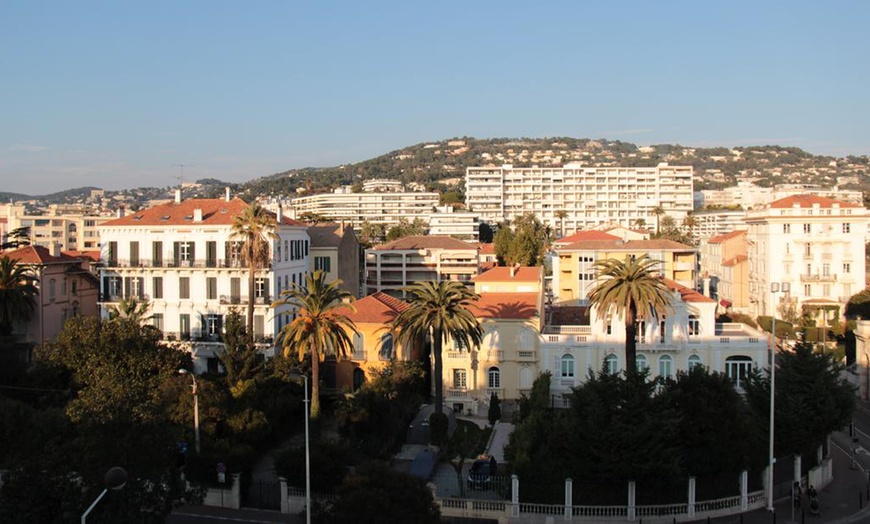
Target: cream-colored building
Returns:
[814, 244]
[587, 195]
[385, 209]
[724, 263]
[449, 222]
[72, 231]
[335, 250]
[181, 259]
[390, 267]
[574, 269]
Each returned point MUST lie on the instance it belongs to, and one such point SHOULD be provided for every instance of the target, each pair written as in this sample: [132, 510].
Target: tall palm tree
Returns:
[640, 223]
[255, 226]
[632, 289]
[321, 325]
[439, 310]
[561, 215]
[17, 294]
[690, 222]
[658, 211]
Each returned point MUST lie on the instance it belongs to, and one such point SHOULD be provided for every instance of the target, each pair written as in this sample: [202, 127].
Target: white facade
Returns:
[72, 231]
[814, 244]
[451, 223]
[709, 223]
[587, 195]
[190, 272]
[376, 208]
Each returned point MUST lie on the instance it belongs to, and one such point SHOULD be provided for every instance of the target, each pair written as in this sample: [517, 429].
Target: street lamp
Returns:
[295, 377]
[183, 371]
[115, 479]
[775, 287]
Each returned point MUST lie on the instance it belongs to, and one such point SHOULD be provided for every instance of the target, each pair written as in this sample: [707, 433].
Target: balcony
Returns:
[457, 393]
[171, 262]
[526, 355]
[818, 278]
[230, 300]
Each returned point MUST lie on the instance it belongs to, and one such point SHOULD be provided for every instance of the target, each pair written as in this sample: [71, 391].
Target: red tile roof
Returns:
[378, 308]
[486, 248]
[631, 245]
[687, 294]
[38, 255]
[809, 201]
[718, 239]
[503, 274]
[215, 212]
[90, 256]
[587, 235]
[424, 242]
[733, 261]
[507, 306]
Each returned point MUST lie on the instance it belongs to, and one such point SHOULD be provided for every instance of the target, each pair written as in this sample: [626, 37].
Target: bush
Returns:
[438, 425]
[741, 318]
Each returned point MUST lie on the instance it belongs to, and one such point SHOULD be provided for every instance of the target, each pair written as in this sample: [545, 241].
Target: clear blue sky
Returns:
[115, 93]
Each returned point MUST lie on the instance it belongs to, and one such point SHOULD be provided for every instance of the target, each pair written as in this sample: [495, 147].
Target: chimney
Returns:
[178, 196]
[513, 271]
[55, 249]
[279, 216]
[706, 281]
[120, 212]
[227, 193]
[197, 215]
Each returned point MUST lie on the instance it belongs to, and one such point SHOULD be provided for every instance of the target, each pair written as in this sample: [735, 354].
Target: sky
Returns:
[129, 94]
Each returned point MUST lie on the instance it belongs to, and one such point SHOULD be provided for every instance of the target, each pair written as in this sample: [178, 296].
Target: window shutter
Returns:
[192, 252]
[141, 287]
[176, 251]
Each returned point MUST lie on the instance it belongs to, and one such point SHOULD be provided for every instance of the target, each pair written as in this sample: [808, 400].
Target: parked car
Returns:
[479, 475]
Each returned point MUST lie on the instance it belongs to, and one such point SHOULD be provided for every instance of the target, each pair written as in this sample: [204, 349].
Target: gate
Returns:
[263, 494]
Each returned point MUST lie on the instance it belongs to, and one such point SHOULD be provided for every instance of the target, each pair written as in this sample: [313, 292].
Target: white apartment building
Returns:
[587, 195]
[181, 259]
[72, 231]
[449, 222]
[713, 222]
[376, 208]
[814, 244]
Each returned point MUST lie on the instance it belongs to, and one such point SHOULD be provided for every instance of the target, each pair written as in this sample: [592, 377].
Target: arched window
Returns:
[737, 369]
[694, 360]
[359, 349]
[359, 378]
[641, 362]
[666, 366]
[567, 366]
[494, 378]
[386, 352]
[611, 364]
[527, 339]
[526, 379]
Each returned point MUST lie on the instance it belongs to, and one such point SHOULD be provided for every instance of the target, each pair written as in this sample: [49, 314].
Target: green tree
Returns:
[494, 412]
[812, 399]
[321, 326]
[131, 309]
[370, 233]
[439, 310]
[16, 238]
[406, 229]
[241, 360]
[658, 211]
[522, 243]
[17, 294]
[690, 222]
[255, 227]
[633, 290]
[561, 215]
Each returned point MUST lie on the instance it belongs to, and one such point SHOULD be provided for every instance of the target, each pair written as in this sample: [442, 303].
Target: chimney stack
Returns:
[197, 215]
[279, 216]
[178, 196]
[55, 249]
[120, 212]
[227, 193]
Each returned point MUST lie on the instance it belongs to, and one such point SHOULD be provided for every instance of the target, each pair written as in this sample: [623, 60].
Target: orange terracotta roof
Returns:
[809, 201]
[486, 248]
[733, 261]
[687, 294]
[90, 255]
[378, 308]
[587, 235]
[507, 306]
[726, 236]
[631, 245]
[424, 242]
[38, 255]
[215, 212]
[487, 265]
[503, 274]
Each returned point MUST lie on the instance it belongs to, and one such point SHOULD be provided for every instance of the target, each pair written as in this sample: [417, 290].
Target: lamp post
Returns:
[195, 405]
[306, 401]
[115, 479]
[775, 287]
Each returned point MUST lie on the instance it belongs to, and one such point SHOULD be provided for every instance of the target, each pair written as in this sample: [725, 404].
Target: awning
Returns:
[725, 303]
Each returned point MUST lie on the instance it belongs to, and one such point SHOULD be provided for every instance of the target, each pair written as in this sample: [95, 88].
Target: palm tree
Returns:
[255, 226]
[321, 325]
[130, 309]
[632, 289]
[17, 294]
[658, 211]
[439, 310]
[640, 223]
[561, 215]
[690, 222]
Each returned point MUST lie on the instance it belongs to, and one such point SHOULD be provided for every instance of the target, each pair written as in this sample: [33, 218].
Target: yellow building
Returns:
[574, 264]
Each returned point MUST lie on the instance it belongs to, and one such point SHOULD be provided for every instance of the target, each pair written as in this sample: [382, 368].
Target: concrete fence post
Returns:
[285, 498]
[515, 496]
[766, 483]
[744, 489]
[691, 508]
[569, 498]
[632, 489]
[797, 469]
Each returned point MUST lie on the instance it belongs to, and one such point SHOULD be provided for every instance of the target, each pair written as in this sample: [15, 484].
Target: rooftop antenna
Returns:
[180, 176]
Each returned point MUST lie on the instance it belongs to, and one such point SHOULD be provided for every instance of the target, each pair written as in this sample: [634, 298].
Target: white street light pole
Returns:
[195, 406]
[775, 287]
[115, 479]
[306, 401]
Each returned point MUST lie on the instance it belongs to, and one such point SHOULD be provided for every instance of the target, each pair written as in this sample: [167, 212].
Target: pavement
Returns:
[211, 515]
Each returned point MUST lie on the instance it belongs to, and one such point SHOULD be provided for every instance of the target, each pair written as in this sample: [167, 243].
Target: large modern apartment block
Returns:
[377, 208]
[71, 231]
[588, 196]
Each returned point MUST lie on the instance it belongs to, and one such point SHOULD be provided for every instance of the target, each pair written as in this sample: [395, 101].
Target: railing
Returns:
[498, 391]
[718, 504]
[662, 510]
[568, 330]
[455, 354]
[173, 262]
[598, 511]
[525, 355]
[818, 278]
[457, 393]
[495, 355]
[243, 300]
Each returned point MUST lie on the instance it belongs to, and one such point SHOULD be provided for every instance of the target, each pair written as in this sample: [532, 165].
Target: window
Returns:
[611, 364]
[51, 289]
[694, 360]
[157, 287]
[738, 369]
[641, 363]
[74, 287]
[567, 366]
[666, 366]
[323, 263]
[494, 378]
[157, 254]
[386, 351]
[134, 254]
[359, 349]
[214, 324]
[235, 290]
[847, 268]
[211, 253]
[694, 326]
[157, 320]
[286, 250]
[640, 336]
[211, 288]
[184, 253]
[63, 288]
[662, 331]
[527, 339]
[259, 325]
[260, 287]
[609, 329]
[183, 287]
[808, 252]
[460, 379]
[359, 378]
[278, 251]
[807, 228]
[847, 290]
[808, 290]
[113, 254]
[490, 339]
[786, 228]
[847, 227]
[184, 326]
